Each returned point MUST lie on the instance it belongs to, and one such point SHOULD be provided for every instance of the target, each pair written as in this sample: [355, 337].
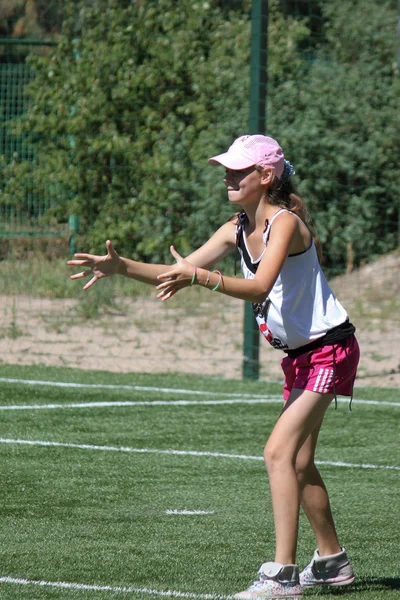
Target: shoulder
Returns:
[284, 222]
[229, 229]
[289, 227]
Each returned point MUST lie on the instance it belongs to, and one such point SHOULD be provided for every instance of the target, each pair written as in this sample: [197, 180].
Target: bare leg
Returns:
[305, 411]
[314, 497]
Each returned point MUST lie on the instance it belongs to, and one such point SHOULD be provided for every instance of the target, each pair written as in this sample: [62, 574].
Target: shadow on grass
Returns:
[368, 584]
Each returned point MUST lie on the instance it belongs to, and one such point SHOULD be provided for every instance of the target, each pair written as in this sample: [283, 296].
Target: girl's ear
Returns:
[267, 176]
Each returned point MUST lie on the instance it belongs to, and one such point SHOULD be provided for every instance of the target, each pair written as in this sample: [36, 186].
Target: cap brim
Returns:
[231, 161]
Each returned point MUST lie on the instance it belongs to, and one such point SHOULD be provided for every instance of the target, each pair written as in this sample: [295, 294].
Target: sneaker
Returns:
[275, 581]
[334, 569]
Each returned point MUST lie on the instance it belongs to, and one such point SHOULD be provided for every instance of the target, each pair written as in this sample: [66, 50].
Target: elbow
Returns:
[259, 288]
[259, 296]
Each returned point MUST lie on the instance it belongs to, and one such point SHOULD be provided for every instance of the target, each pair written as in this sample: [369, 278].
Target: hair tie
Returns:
[288, 171]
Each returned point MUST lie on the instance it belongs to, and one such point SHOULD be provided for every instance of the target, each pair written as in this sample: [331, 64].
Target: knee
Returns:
[276, 455]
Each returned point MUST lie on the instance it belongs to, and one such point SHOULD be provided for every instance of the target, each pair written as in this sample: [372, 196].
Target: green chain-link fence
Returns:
[25, 28]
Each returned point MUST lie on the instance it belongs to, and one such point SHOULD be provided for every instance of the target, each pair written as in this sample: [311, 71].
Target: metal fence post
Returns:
[257, 124]
[73, 226]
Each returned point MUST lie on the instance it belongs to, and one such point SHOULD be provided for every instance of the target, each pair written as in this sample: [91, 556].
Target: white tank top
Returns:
[301, 306]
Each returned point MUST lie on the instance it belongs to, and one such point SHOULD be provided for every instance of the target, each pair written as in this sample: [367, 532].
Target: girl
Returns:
[298, 313]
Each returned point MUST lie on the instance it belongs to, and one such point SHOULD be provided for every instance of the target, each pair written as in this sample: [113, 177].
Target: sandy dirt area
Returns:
[204, 337]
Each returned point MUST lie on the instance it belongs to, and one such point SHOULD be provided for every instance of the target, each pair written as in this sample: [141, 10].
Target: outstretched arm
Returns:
[97, 267]
[113, 264]
[254, 290]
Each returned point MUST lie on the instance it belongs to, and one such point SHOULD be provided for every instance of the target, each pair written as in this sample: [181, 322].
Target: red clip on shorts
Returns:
[314, 370]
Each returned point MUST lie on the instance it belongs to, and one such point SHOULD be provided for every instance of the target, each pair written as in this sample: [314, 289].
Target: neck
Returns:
[257, 215]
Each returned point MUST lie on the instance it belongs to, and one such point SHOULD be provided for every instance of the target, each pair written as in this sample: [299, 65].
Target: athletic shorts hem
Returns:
[328, 370]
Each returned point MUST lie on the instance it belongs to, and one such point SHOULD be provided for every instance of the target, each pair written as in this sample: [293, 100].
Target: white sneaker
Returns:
[334, 569]
[275, 581]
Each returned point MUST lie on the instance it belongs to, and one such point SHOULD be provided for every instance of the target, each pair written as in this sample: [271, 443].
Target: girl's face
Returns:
[244, 186]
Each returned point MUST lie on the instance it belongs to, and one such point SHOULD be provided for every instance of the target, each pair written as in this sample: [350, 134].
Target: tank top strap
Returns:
[267, 230]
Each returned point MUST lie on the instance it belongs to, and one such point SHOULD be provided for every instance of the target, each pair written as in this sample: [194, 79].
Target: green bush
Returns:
[339, 122]
[128, 107]
[124, 116]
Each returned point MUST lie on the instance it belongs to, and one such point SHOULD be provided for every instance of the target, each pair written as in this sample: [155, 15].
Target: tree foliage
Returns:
[126, 110]
[340, 124]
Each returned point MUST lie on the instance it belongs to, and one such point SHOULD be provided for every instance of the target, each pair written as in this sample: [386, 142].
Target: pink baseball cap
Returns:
[249, 150]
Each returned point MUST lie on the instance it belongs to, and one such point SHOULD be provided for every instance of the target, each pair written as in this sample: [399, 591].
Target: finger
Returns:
[84, 256]
[175, 254]
[164, 286]
[166, 295]
[82, 274]
[79, 263]
[168, 275]
[171, 282]
[90, 283]
[110, 249]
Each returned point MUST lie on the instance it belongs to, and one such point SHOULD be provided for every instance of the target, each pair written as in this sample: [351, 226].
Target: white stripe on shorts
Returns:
[324, 380]
[318, 380]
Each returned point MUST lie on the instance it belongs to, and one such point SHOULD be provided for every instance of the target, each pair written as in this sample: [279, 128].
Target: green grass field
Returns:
[92, 496]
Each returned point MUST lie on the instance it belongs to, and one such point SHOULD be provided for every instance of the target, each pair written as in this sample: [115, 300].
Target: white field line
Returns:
[266, 400]
[113, 589]
[180, 453]
[137, 388]
[229, 401]
[188, 512]
[241, 398]
[126, 403]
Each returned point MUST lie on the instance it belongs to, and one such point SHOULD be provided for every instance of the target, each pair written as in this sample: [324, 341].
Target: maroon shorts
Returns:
[324, 370]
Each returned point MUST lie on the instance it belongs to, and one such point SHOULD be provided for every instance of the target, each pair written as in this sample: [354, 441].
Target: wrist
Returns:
[202, 277]
[211, 280]
[122, 267]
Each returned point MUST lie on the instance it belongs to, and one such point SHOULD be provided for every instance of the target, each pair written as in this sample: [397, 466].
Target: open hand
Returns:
[178, 277]
[99, 266]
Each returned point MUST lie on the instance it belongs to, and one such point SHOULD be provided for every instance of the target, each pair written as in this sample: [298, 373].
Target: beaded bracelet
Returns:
[194, 275]
[214, 289]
